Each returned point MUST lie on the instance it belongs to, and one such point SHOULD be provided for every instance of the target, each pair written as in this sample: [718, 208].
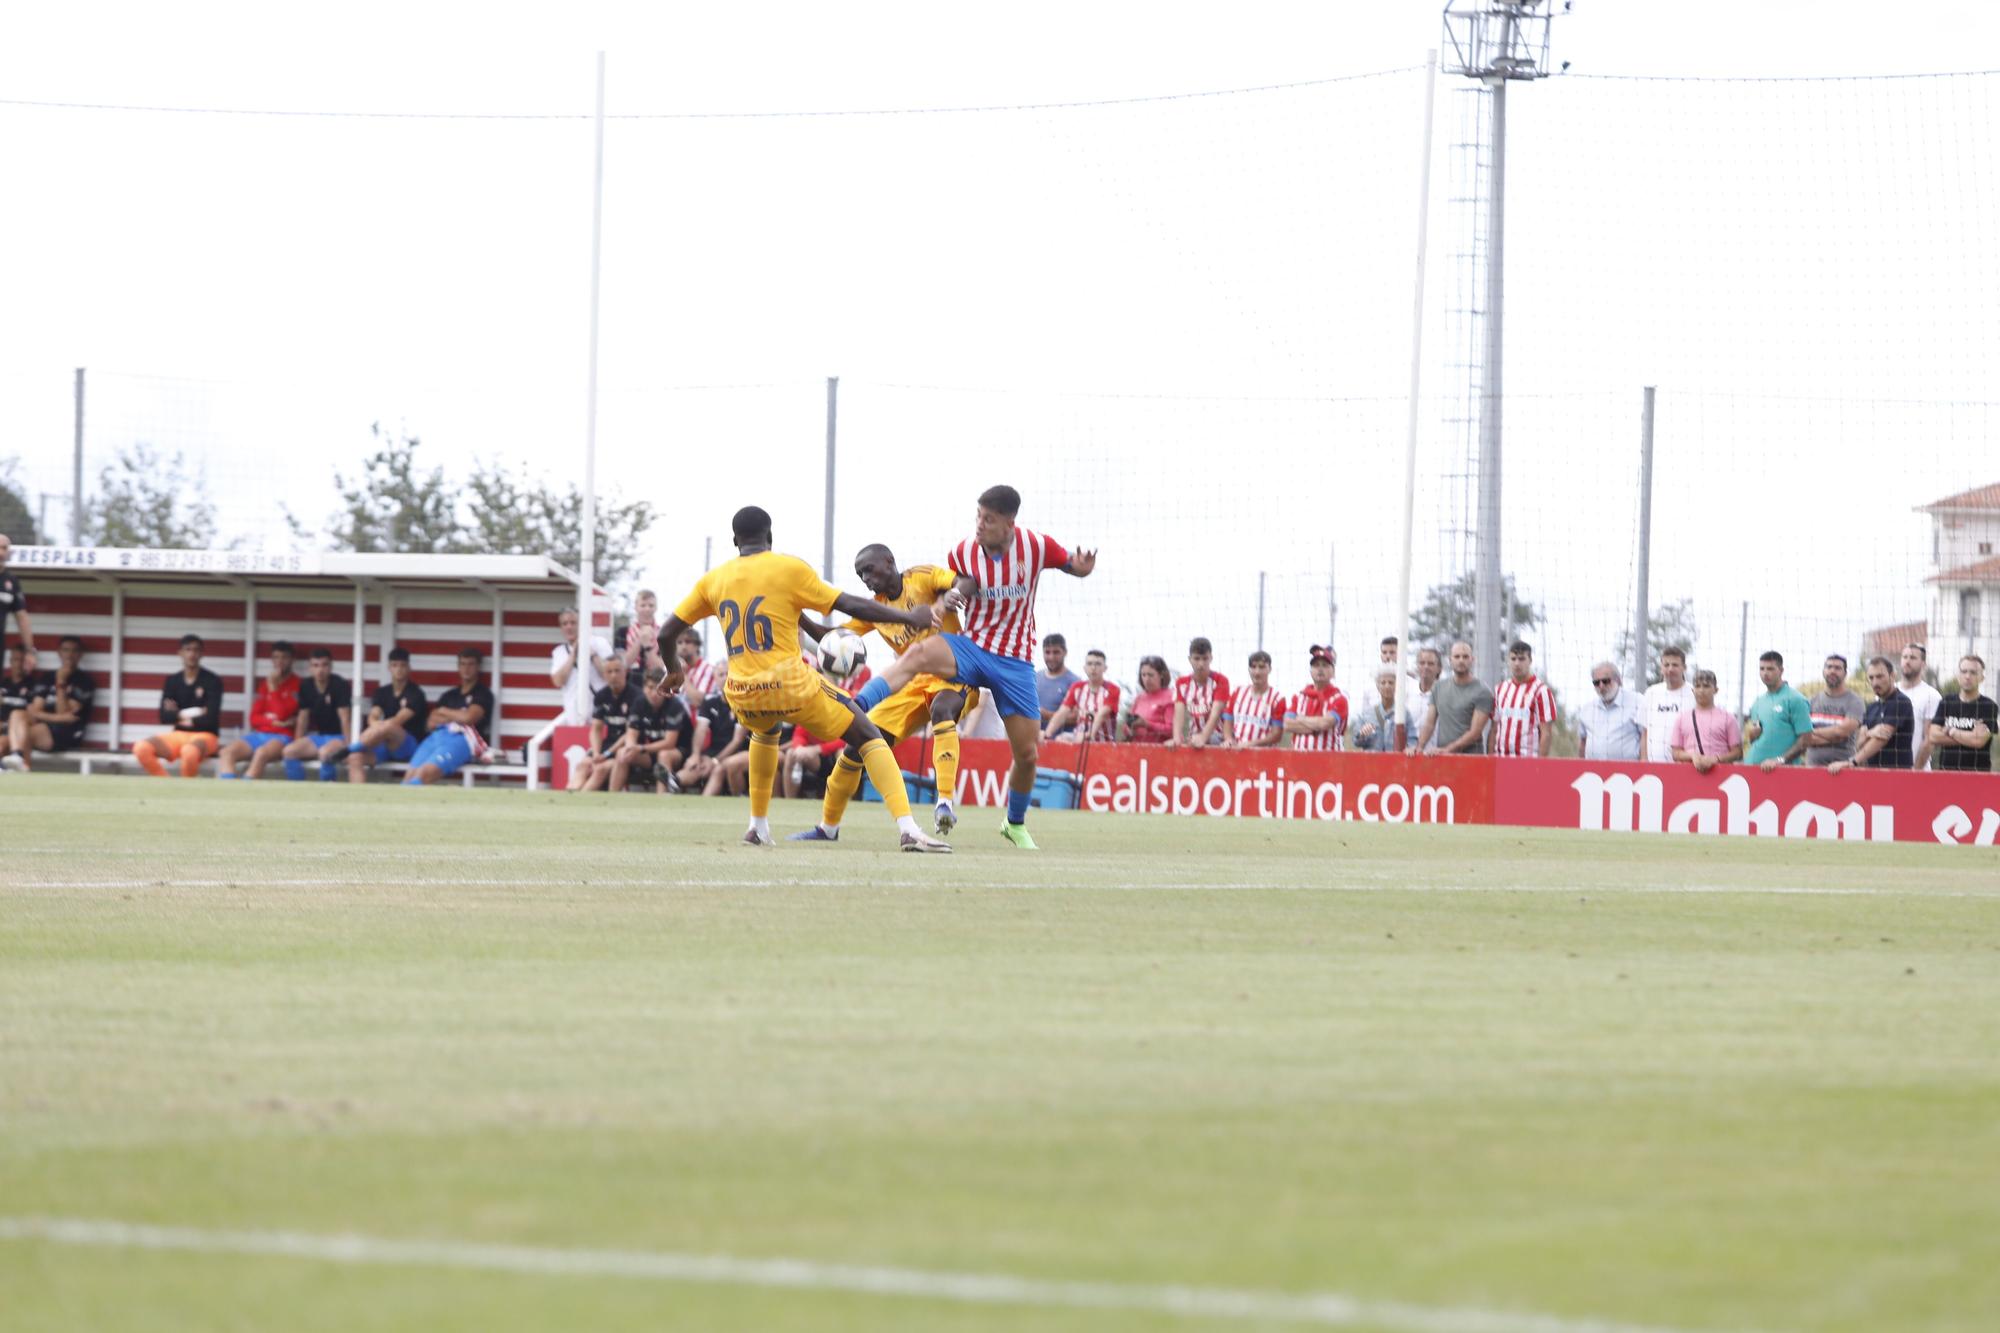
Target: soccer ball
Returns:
[842, 654]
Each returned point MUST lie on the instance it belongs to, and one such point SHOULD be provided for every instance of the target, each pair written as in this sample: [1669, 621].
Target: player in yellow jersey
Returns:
[919, 586]
[758, 597]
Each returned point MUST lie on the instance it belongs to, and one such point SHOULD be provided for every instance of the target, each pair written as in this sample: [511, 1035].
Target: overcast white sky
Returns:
[1181, 326]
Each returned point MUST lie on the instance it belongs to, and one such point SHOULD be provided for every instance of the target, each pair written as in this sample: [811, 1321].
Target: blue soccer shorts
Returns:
[447, 749]
[325, 738]
[257, 740]
[383, 754]
[1011, 680]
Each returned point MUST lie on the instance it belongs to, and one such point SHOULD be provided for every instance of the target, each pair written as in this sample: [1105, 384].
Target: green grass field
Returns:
[1462, 1077]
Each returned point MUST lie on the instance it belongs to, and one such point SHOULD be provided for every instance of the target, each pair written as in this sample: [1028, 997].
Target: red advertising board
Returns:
[1534, 793]
[566, 745]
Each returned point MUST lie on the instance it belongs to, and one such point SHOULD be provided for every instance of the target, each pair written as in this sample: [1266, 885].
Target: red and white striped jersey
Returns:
[1000, 617]
[701, 677]
[1318, 701]
[1255, 716]
[1086, 701]
[1519, 709]
[1201, 696]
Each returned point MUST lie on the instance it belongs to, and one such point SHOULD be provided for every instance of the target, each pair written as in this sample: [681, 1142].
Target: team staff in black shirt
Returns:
[326, 704]
[1965, 723]
[396, 716]
[14, 602]
[659, 742]
[191, 709]
[458, 725]
[17, 687]
[58, 708]
[616, 710]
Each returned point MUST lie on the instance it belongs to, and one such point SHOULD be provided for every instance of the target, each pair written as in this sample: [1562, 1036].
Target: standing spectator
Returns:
[661, 740]
[1703, 734]
[1923, 696]
[641, 650]
[14, 602]
[1053, 681]
[326, 719]
[1392, 656]
[1836, 716]
[1888, 729]
[1524, 708]
[191, 707]
[1430, 666]
[58, 709]
[396, 716]
[1316, 716]
[1609, 724]
[460, 725]
[614, 711]
[1665, 700]
[1199, 698]
[563, 662]
[1255, 717]
[1151, 720]
[1780, 726]
[1090, 709]
[274, 712]
[1461, 707]
[1961, 731]
[1382, 727]
[698, 678]
[18, 685]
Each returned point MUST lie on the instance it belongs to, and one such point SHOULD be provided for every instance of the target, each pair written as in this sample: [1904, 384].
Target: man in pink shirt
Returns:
[1706, 735]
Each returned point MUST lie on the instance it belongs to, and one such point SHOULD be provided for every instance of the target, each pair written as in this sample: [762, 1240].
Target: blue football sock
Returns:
[326, 771]
[295, 769]
[874, 692]
[1017, 807]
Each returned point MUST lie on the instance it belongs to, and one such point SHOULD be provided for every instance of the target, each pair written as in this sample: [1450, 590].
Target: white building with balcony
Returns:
[1965, 580]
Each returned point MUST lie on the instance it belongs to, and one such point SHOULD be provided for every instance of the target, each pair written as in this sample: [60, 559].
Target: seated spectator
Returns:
[1380, 727]
[660, 742]
[1199, 698]
[614, 712]
[980, 719]
[1089, 712]
[1887, 738]
[58, 709]
[1151, 720]
[1316, 717]
[326, 719]
[396, 719]
[1255, 715]
[717, 738]
[18, 685]
[274, 712]
[1706, 735]
[1053, 682]
[563, 663]
[1610, 724]
[191, 706]
[808, 760]
[458, 725]
[1964, 724]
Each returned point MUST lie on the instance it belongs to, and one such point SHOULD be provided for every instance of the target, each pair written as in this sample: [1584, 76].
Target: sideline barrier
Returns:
[1532, 793]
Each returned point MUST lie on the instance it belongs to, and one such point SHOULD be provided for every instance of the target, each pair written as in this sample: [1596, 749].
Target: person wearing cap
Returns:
[1316, 717]
[1461, 706]
[396, 715]
[1608, 725]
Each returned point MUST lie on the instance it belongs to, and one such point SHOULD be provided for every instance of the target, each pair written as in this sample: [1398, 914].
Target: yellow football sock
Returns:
[880, 761]
[763, 771]
[944, 754]
[840, 788]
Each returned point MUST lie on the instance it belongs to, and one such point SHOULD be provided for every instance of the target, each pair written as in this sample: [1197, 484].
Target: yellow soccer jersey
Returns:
[922, 586]
[757, 598]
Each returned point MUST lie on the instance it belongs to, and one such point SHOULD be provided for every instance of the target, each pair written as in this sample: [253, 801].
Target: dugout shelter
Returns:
[131, 607]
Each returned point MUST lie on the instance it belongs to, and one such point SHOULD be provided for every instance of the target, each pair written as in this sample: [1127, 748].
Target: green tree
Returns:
[1446, 616]
[1670, 626]
[393, 505]
[17, 519]
[146, 498]
[512, 516]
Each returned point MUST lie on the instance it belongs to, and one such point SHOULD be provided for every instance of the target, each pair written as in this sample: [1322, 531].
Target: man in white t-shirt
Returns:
[577, 705]
[1665, 701]
[1923, 697]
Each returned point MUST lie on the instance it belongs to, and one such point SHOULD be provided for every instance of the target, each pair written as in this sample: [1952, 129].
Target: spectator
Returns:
[1255, 716]
[1524, 708]
[14, 602]
[1608, 724]
[191, 706]
[1923, 696]
[660, 742]
[716, 738]
[1382, 727]
[396, 717]
[1316, 716]
[1780, 726]
[1430, 666]
[1053, 681]
[1836, 716]
[1961, 731]
[326, 720]
[1151, 720]
[274, 712]
[641, 649]
[459, 726]
[18, 685]
[1199, 698]
[1703, 734]
[562, 665]
[810, 759]
[1090, 709]
[1666, 699]
[1392, 656]
[980, 720]
[1889, 727]
[614, 710]
[58, 709]
[698, 678]
[1461, 708]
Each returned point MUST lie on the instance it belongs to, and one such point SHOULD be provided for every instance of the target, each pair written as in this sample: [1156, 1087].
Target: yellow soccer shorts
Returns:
[764, 703]
[905, 712]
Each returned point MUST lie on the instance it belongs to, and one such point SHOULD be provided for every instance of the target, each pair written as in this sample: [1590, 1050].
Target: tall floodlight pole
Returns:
[587, 574]
[832, 436]
[1404, 627]
[1496, 42]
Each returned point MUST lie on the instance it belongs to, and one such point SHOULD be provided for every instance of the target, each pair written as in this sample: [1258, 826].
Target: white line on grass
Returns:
[1322, 1308]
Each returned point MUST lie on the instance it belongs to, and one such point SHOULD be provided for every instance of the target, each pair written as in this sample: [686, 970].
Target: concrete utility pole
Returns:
[832, 435]
[1641, 614]
[1496, 42]
[76, 473]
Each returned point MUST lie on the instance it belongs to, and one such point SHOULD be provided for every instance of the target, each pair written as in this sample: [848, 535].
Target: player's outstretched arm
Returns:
[670, 632]
[857, 608]
[1081, 563]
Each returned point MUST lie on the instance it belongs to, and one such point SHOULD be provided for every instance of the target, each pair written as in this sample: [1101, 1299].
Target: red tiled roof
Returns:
[1889, 640]
[1983, 571]
[1979, 497]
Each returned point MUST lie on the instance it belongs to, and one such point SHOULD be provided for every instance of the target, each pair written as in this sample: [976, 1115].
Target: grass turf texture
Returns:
[1454, 1067]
